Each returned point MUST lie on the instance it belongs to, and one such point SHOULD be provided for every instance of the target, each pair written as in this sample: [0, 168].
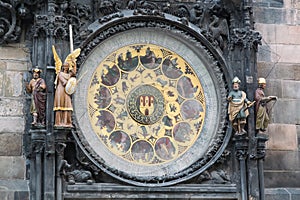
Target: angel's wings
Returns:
[57, 60]
[71, 59]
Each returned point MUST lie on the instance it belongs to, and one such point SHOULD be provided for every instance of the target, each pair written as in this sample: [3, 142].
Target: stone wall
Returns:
[279, 62]
[14, 64]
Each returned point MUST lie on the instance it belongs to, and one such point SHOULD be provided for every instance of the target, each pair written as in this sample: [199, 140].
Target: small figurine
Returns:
[80, 176]
[238, 107]
[262, 110]
[37, 88]
[65, 83]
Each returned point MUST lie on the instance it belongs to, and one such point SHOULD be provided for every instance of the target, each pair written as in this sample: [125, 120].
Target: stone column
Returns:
[60, 143]
[246, 39]
[241, 153]
[259, 157]
[38, 139]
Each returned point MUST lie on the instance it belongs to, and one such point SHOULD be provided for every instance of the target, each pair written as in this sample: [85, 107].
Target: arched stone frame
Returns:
[196, 50]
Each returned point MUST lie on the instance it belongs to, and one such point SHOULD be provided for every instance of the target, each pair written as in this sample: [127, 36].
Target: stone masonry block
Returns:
[298, 16]
[281, 179]
[297, 73]
[14, 53]
[14, 189]
[10, 144]
[2, 65]
[291, 89]
[279, 53]
[279, 70]
[265, 68]
[298, 133]
[291, 16]
[273, 88]
[286, 111]
[13, 84]
[282, 193]
[276, 194]
[17, 66]
[266, 54]
[12, 167]
[269, 15]
[12, 124]
[295, 193]
[267, 31]
[278, 160]
[279, 33]
[282, 137]
[288, 3]
[11, 107]
[1, 82]
[268, 3]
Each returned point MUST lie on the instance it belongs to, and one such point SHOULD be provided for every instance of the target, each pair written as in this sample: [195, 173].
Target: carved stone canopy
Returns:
[216, 19]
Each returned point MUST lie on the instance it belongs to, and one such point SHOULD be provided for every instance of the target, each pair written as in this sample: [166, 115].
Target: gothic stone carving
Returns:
[9, 31]
[214, 18]
[13, 13]
[60, 15]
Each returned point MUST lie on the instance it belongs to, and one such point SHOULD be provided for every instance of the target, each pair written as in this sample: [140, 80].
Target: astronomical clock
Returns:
[149, 106]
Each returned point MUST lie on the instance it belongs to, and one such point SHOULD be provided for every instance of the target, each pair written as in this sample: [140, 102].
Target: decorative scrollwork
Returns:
[110, 17]
[9, 31]
[38, 147]
[246, 37]
[12, 15]
[241, 145]
[261, 147]
[108, 7]
[241, 154]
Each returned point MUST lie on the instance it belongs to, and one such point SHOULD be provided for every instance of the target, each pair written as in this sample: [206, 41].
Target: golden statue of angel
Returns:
[65, 83]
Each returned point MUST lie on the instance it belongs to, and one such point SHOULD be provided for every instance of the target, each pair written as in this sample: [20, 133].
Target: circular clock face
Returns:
[147, 105]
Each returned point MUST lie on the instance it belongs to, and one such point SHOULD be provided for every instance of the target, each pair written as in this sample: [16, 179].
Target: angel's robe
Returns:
[62, 100]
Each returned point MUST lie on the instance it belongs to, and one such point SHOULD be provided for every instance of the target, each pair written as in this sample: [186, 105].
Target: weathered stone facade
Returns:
[279, 63]
[14, 63]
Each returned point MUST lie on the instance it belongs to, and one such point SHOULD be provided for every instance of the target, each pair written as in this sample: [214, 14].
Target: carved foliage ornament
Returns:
[247, 38]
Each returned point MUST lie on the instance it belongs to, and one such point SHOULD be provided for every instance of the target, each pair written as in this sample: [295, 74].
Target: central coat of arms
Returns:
[146, 104]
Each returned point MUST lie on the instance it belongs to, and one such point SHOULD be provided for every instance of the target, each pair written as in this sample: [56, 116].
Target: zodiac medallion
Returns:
[146, 104]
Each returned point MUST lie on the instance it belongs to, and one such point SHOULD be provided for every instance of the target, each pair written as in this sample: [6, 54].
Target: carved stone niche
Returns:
[150, 108]
[13, 13]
